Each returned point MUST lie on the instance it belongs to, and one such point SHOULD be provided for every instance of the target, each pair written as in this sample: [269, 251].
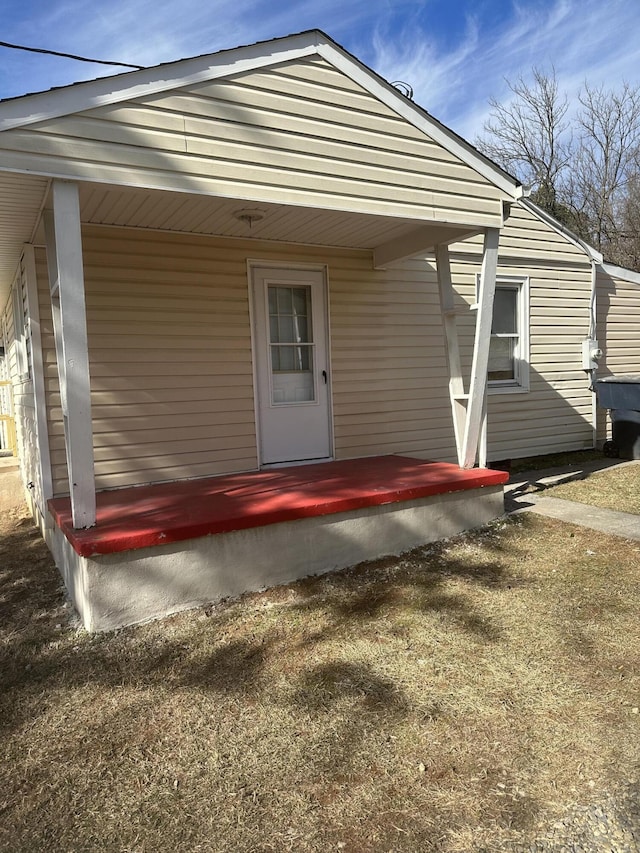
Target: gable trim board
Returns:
[621, 273]
[553, 223]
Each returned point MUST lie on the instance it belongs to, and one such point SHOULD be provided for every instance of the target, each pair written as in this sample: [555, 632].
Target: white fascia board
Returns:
[42, 106]
[415, 115]
[560, 229]
[621, 272]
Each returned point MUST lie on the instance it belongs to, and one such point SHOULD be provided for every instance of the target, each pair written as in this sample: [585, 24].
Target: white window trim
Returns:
[20, 330]
[521, 384]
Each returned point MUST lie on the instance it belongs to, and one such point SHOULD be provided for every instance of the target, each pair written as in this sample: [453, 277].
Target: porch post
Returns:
[478, 384]
[66, 281]
[456, 384]
[483, 445]
[42, 427]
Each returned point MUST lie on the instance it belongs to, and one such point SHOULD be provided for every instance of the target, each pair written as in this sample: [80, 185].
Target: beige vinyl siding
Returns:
[556, 413]
[170, 356]
[299, 133]
[390, 380]
[618, 324]
[170, 360]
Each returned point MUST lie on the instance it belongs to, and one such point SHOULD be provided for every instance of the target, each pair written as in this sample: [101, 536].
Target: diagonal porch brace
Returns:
[478, 383]
[66, 281]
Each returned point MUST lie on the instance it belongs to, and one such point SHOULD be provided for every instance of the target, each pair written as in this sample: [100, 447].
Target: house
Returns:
[215, 268]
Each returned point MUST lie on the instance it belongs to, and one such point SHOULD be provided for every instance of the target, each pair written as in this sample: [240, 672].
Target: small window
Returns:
[19, 331]
[508, 368]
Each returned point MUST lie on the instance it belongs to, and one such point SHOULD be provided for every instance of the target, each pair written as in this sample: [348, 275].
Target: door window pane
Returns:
[285, 330]
[300, 300]
[284, 300]
[289, 315]
[291, 345]
[290, 357]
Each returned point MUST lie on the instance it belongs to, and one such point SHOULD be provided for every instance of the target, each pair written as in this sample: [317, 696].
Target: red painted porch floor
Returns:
[143, 516]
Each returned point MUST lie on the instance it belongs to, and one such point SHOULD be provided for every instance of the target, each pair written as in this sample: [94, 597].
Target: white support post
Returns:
[456, 384]
[482, 448]
[42, 427]
[478, 384]
[66, 280]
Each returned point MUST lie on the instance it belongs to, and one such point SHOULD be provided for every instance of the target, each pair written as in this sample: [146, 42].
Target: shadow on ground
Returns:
[197, 702]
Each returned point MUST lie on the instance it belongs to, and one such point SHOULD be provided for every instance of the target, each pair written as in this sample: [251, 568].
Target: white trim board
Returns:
[622, 273]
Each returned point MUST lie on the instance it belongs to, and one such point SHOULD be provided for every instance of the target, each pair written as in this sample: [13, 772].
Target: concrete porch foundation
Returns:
[124, 587]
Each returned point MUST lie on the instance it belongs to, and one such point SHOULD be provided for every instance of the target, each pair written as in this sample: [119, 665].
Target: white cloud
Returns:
[452, 69]
[582, 40]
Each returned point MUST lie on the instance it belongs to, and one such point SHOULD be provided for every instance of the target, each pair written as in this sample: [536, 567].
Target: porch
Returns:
[166, 547]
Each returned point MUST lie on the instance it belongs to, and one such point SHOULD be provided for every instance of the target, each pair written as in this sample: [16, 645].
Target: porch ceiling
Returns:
[21, 199]
[23, 196]
[197, 214]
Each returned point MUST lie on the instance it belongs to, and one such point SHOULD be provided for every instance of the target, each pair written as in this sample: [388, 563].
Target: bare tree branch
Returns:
[606, 167]
[585, 173]
[530, 134]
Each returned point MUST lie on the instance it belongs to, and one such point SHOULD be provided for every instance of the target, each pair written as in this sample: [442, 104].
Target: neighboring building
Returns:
[618, 322]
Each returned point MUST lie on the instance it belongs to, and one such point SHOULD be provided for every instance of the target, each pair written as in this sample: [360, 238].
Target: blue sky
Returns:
[454, 53]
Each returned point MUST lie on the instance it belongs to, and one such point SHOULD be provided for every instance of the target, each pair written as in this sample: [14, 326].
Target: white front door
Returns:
[292, 370]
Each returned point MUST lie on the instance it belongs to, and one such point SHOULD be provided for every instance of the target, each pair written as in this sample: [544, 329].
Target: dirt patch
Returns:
[11, 490]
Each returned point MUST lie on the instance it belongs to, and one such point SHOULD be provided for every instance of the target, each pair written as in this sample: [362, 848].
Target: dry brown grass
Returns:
[618, 489]
[446, 700]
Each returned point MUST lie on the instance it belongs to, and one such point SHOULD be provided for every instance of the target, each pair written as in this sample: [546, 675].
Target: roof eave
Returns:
[42, 106]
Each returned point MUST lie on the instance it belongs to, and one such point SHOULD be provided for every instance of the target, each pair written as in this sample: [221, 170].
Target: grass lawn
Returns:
[618, 488]
[461, 695]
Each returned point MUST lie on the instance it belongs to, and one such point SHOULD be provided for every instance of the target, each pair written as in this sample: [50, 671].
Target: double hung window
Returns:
[508, 369]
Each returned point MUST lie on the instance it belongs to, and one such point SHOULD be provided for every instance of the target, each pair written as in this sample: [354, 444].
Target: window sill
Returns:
[507, 389]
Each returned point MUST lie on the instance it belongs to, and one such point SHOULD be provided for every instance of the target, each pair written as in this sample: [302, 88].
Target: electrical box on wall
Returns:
[591, 354]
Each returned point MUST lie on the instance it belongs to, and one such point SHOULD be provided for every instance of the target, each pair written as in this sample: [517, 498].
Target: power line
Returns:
[69, 55]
